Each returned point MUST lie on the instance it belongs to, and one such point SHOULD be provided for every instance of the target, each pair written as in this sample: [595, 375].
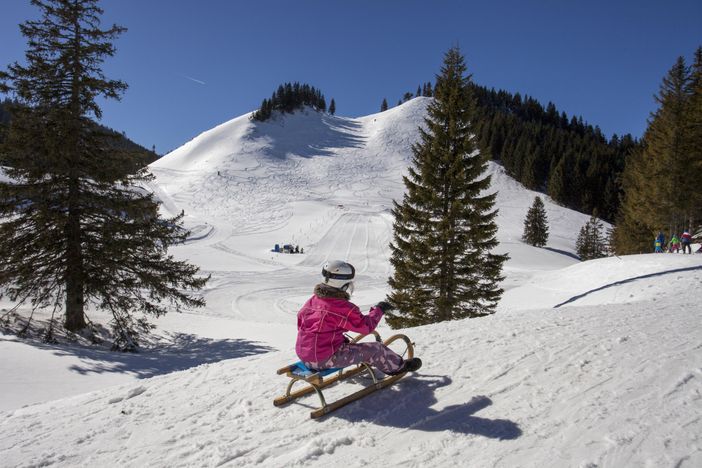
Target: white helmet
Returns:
[338, 274]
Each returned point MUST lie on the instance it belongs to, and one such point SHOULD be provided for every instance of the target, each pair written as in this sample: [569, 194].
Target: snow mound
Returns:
[612, 280]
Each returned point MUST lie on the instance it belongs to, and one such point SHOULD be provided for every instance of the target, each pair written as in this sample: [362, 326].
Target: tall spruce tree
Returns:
[536, 224]
[692, 203]
[332, 107]
[76, 228]
[444, 229]
[384, 105]
[666, 150]
[557, 187]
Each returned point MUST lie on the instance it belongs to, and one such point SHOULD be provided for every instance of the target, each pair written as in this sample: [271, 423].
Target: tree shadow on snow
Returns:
[328, 135]
[562, 252]
[407, 405]
[180, 351]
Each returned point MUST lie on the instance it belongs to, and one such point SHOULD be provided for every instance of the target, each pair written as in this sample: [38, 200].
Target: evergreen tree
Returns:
[632, 234]
[536, 224]
[666, 150]
[384, 105]
[690, 193]
[609, 241]
[75, 225]
[661, 182]
[419, 91]
[557, 188]
[591, 242]
[444, 229]
[332, 107]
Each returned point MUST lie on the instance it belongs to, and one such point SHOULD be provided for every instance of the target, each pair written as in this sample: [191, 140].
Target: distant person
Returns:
[302, 250]
[297, 249]
[686, 240]
[659, 242]
[674, 244]
[328, 314]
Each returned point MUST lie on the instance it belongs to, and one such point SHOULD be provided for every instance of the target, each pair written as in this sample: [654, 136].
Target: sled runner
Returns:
[318, 380]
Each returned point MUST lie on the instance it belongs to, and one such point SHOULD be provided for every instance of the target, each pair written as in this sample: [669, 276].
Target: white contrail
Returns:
[193, 79]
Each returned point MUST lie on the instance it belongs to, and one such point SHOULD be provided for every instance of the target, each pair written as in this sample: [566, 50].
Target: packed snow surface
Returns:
[585, 364]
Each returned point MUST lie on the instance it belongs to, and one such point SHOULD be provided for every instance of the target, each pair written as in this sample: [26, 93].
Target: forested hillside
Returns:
[113, 138]
[545, 150]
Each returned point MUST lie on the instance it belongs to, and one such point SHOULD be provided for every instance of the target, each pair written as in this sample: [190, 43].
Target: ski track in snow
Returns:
[611, 379]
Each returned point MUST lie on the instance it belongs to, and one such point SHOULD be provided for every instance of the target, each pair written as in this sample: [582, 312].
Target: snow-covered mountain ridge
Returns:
[585, 364]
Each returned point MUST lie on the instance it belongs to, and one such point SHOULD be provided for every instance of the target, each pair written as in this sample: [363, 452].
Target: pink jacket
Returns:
[321, 324]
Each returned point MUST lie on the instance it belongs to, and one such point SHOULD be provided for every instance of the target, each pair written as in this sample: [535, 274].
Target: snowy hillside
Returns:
[585, 364]
[325, 183]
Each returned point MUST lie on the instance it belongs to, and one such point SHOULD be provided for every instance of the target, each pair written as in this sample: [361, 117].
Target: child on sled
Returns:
[325, 317]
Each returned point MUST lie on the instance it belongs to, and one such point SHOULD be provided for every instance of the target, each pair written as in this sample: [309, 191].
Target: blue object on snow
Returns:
[301, 370]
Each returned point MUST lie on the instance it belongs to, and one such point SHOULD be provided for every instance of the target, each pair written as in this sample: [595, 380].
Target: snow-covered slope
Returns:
[326, 183]
[585, 364]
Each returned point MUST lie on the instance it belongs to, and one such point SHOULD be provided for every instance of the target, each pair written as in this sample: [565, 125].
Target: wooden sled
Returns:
[318, 380]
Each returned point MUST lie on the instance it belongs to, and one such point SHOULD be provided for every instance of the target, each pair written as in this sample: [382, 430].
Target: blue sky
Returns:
[192, 65]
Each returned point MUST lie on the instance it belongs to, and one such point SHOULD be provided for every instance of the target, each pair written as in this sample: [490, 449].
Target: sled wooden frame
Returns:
[319, 380]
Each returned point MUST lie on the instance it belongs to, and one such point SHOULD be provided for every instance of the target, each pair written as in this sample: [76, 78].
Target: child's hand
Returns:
[384, 306]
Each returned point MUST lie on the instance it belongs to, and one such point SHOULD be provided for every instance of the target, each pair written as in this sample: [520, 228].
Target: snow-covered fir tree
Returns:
[591, 242]
[444, 229]
[536, 224]
[76, 226]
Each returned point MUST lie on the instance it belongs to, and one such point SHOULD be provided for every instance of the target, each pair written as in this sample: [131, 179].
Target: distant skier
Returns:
[686, 240]
[674, 244]
[325, 317]
[659, 242]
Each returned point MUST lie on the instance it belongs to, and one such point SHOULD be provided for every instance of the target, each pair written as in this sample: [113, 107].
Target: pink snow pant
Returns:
[376, 354]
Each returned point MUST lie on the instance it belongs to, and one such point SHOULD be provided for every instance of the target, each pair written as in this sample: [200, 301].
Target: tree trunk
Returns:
[75, 318]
